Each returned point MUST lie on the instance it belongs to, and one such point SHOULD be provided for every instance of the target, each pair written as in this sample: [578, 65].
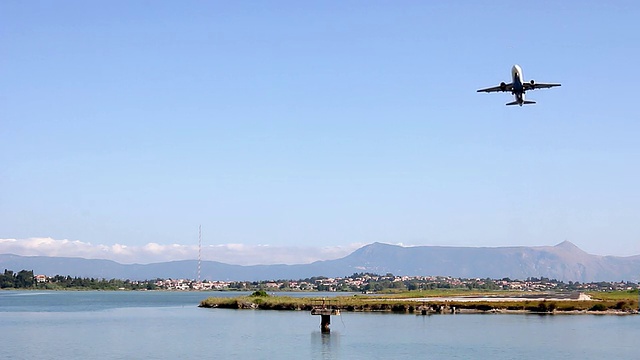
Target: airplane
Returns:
[518, 86]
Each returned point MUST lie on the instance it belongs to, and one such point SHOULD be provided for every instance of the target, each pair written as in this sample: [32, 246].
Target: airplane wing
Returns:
[535, 85]
[505, 87]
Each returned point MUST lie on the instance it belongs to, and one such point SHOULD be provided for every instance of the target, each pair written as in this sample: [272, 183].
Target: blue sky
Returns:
[319, 124]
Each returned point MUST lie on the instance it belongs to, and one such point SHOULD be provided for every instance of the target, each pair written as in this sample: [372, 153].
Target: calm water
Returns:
[169, 325]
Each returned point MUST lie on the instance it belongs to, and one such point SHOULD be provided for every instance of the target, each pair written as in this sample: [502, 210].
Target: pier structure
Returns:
[325, 308]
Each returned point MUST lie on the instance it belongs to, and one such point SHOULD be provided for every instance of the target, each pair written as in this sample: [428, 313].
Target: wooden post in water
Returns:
[325, 322]
[325, 311]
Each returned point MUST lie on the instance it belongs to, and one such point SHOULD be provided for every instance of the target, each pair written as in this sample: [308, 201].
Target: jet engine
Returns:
[532, 82]
[503, 86]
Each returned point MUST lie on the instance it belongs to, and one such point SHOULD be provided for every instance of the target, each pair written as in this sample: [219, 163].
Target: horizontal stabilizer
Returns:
[523, 103]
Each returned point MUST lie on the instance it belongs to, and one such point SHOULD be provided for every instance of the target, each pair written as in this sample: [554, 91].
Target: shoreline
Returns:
[431, 305]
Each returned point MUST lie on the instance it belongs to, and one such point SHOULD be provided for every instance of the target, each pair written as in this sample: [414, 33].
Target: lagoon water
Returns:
[169, 325]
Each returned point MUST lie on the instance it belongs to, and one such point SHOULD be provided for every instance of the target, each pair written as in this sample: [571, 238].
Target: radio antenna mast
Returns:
[199, 250]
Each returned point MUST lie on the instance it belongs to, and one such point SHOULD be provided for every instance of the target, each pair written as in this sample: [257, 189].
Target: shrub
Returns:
[598, 307]
[399, 308]
[260, 293]
[568, 308]
[621, 305]
[542, 307]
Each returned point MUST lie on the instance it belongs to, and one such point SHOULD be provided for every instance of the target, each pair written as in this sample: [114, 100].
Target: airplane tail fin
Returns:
[529, 102]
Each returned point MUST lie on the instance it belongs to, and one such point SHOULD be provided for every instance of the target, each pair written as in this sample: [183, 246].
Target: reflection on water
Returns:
[325, 345]
[115, 325]
[328, 351]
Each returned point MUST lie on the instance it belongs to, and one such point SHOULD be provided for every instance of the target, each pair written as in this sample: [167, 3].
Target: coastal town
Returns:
[363, 283]
[371, 283]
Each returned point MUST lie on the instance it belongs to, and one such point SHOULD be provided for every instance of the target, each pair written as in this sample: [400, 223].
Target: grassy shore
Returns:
[438, 302]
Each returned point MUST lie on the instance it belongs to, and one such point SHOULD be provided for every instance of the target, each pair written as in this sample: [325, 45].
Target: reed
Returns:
[395, 304]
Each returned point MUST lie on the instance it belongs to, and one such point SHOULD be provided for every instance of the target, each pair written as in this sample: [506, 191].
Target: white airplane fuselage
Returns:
[517, 79]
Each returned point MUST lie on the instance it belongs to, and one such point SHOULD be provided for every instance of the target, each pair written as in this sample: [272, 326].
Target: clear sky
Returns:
[318, 124]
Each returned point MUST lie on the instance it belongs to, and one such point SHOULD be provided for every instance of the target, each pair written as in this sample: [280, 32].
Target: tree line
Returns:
[21, 280]
[24, 279]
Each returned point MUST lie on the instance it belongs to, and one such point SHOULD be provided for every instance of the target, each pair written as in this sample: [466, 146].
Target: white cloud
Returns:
[238, 254]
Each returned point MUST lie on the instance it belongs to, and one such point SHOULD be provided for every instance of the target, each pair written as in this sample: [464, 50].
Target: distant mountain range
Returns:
[564, 261]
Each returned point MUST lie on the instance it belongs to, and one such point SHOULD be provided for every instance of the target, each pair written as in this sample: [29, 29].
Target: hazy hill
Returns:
[564, 261]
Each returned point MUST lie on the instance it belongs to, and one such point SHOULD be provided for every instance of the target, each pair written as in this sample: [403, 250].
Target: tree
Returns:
[24, 279]
[7, 279]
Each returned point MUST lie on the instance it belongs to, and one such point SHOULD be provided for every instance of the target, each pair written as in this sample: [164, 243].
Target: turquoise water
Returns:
[169, 325]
